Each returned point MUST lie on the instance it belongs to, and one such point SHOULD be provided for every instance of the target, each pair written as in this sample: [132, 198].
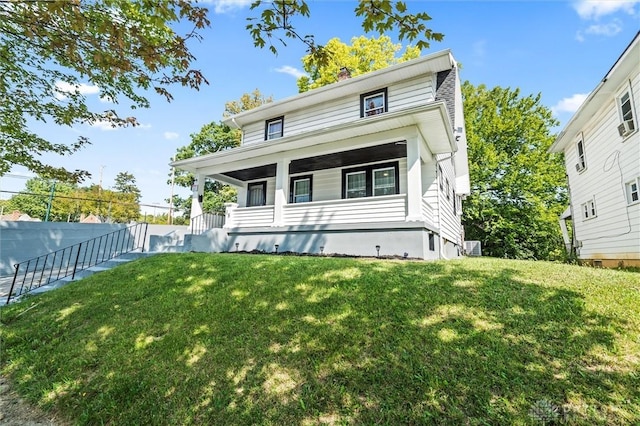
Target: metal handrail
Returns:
[202, 223]
[42, 270]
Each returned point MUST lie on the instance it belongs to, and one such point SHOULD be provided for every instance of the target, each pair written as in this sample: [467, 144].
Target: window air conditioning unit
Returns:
[626, 127]
[579, 167]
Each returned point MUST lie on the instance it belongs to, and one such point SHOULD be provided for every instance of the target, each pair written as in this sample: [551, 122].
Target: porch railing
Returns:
[42, 270]
[202, 223]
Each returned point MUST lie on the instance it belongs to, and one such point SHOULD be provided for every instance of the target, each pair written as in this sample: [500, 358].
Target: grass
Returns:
[259, 339]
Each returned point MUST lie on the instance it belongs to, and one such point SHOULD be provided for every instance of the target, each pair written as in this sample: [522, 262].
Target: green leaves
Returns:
[362, 56]
[118, 47]
[275, 24]
[518, 189]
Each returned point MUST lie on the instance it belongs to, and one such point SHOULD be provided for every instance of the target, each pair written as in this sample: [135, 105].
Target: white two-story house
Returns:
[601, 145]
[370, 165]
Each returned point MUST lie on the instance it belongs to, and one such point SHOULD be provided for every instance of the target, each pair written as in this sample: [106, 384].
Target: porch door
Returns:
[256, 194]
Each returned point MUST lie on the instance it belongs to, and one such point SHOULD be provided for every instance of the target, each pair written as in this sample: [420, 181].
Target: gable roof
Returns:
[628, 61]
[435, 62]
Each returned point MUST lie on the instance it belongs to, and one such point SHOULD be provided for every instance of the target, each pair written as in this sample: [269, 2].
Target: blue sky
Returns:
[560, 49]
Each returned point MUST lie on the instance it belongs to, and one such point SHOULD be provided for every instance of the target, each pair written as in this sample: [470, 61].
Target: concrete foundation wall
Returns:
[412, 240]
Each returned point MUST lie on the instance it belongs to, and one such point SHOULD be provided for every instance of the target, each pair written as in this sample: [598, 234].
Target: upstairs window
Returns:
[633, 191]
[273, 128]
[625, 107]
[373, 103]
[582, 163]
[300, 189]
[256, 194]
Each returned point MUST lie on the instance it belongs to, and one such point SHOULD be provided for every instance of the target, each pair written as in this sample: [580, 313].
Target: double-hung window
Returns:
[625, 107]
[589, 209]
[373, 103]
[273, 129]
[633, 191]
[256, 194]
[384, 181]
[367, 181]
[300, 189]
[582, 162]
[356, 184]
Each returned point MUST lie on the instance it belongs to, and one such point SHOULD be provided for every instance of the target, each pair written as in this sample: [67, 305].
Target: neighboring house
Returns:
[17, 216]
[601, 145]
[375, 164]
[90, 219]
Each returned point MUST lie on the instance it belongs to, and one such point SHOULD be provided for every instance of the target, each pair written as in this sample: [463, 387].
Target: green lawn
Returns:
[258, 339]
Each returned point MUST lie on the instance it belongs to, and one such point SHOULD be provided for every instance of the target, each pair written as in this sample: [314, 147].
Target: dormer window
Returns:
[273, 128]
[373, 103]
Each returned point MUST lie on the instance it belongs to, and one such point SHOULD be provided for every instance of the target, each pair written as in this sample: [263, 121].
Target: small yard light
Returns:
[378, 250]
[277, 247]
[321, 249]
[237, 246]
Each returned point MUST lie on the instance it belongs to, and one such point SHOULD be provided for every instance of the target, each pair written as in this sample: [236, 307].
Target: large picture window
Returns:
[256, 194]
[300, 189]
[373, 103]
[373, 180]
[273, 128]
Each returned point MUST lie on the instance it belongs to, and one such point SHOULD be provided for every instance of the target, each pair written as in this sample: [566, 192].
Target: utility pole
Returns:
[173, 176]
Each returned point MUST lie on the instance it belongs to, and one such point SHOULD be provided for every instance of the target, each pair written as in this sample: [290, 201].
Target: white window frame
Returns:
[346, 183]
[631, 113]
[367, 98]
[581, 165]
[268, 133]
[630, 191]
[589, 209]
[299, 198]
[373, 181]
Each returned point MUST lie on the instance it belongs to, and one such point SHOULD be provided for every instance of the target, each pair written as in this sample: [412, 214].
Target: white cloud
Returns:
[171, 135]
[225, 6]
[143, 126]
[594, 9]
[286, 69]
[610, 29]
[63, 87]
[570, 104]
[103, 125]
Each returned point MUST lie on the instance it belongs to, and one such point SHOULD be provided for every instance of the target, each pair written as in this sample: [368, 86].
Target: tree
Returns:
[213, 137]
[518, 189]
[363, 56]
[35, 199]
[53, 52]
[125, 183]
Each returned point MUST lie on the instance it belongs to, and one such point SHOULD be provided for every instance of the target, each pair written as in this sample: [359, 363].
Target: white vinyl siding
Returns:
[613, 162]
[415, 92]
[360, 210]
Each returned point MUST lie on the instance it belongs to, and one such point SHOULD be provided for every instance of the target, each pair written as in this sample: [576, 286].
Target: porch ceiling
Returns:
[388, 151]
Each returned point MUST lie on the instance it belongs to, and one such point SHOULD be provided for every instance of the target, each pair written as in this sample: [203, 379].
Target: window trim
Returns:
[268, 122]
[263, 183]
[581, 165]
[368, 169]
[629, 193]
[626, 90]
[364, 96]
[292, 187]
[588, 209]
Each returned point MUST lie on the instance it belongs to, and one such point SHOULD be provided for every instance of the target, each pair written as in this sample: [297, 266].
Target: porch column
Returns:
[414, 179]
[282, 173]
[197, 196]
